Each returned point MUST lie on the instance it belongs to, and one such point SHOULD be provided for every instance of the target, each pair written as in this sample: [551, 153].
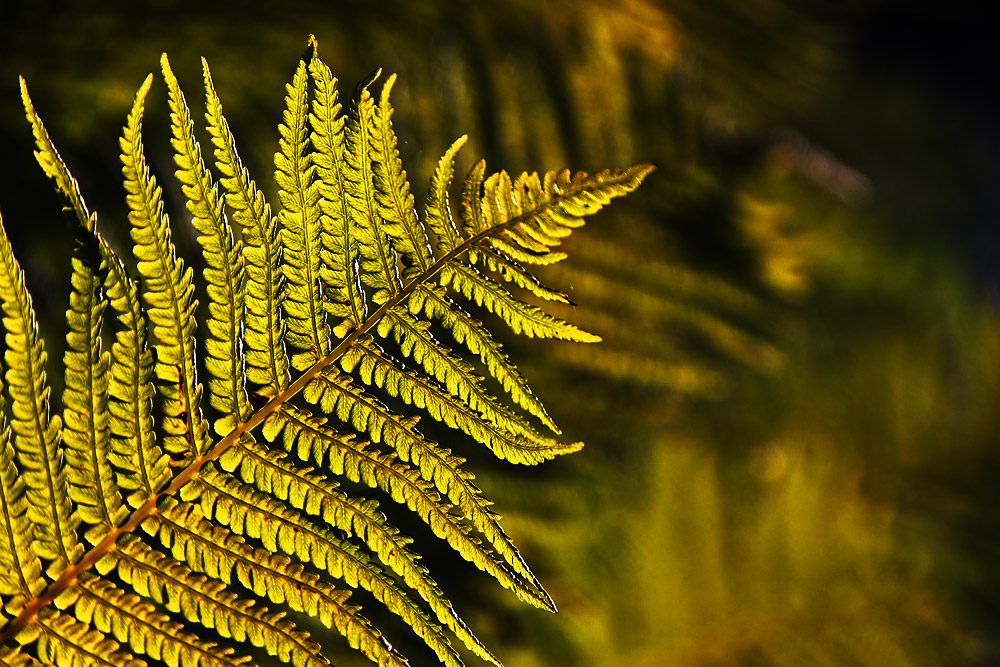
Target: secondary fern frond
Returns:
[169, 295]
[469, 331]
[438, 209]
[62, 640]
[245, 525]
[266, 361]
[51, 162]
[136, 622]
[311, 439]
[141, 463]
[214, 551]
[20, 568]
[279, 528]
[378, 260]
[87, 433]
[340, 249]
[10, 657]
[454, 373]
[300, 233]
[36, 435]
[224, 273]
[206, 601]
[137, 458]
[522, 445]
[303, 489]
[392, 190]
[521, 317]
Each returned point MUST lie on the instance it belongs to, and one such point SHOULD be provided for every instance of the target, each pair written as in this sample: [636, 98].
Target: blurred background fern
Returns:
[793, 422]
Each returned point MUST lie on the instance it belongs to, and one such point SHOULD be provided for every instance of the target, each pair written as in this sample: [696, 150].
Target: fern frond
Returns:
[169, 294]
[512, 272]
[87, 431]
[523, 445]
[218, 553]
[303, 489]
[453, 372]
[12, 657]
[133, 621]
[409, 240]
[392, 190]
[469, 331]
[535, 215]
[437, 210]
[471, 212]
[36, 435]
[224, 273]
[520, 242]
[312, 440]
[339, 247]
[20, 569]
[140, 461]
[50, 160]
[300, 232]
[85, 394]
[347, 237]
[266, 360]
[436, 465]
[205, 601]
[248, 512]
[376, 256]
[139, 458]
[65, 642]
[521, 317]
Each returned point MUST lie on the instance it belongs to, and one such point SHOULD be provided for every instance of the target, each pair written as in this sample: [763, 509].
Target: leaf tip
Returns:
[25, 98]
[643, 169]
[457, 144]
[144, 88]
[311, 47]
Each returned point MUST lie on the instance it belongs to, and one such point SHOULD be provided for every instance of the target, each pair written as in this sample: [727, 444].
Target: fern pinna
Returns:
[211, 514]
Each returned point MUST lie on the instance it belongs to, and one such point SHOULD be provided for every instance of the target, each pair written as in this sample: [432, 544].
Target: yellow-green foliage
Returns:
[331, 302]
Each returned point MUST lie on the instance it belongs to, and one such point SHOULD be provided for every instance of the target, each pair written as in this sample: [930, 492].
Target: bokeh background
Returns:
[793, 422]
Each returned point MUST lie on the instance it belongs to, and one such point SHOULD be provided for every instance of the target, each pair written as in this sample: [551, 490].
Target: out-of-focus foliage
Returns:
[782, 561]
[792, 422]
[829, 515]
